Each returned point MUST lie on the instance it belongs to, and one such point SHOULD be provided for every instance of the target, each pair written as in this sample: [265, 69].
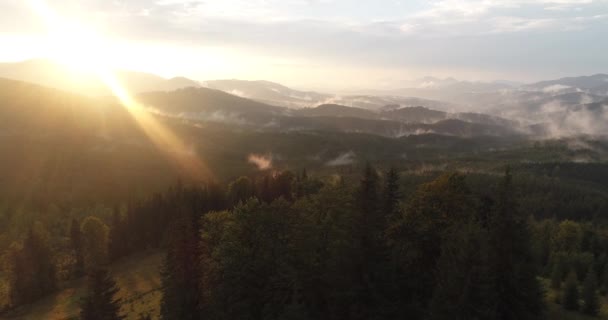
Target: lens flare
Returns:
[84, 51]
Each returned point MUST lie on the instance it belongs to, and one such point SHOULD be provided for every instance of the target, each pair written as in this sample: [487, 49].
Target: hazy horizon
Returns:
[333, 44]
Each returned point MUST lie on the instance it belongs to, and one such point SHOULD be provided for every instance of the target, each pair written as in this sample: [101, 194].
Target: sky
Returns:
[323, 43]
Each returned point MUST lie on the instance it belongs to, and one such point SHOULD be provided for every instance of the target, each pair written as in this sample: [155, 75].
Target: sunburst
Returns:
[84, 50]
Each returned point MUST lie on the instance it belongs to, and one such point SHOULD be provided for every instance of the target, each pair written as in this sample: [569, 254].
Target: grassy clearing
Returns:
[137, 276]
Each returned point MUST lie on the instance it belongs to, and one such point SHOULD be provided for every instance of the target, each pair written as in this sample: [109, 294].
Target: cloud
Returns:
[555, 88]
[262, 162]
[479, 17]
[342, 160]
[329, 40]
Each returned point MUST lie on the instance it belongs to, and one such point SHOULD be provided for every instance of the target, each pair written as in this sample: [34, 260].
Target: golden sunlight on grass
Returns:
[138, 278]
[84, 50]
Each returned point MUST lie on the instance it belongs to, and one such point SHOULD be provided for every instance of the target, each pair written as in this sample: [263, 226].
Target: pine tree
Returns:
[590, 297]
[570, 295]
[116, 237]
[100, 302]
[32, 267]
[463, 288]
[520, 295]
[367, 194]
[370, 255]
[240, 190]
[180, 273]
[76, 243]
[95, 243]
[605, 279]
[392, 194]
[556, 275]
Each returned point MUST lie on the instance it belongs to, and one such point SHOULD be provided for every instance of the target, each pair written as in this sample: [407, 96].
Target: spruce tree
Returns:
[370, 255]
[180, 273]
[556, 275]
[605, 279]
[463, 288]
[589, 294]
[519, 292]
[116, 237]
[100, 301]
[32, 267]
[392, 194]
[570, 294]
[77, 248]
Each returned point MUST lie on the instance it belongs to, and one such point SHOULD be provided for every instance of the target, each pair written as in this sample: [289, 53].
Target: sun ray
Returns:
[161, 136]
[85, 51]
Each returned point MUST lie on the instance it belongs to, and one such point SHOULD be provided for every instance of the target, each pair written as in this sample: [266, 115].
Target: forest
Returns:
[374, 244]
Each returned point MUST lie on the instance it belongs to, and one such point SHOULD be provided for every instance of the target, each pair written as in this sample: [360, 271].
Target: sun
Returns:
[72, 43]
[85, 51]
[80, 50]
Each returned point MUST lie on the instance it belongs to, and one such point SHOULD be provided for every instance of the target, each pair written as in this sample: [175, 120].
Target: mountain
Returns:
[335, 110]
[280, 95]
[433, 83]
[54, 144]
[52, 74]
[595, 84]
[416, 114]
[383, 101]
[268, 92]
[210, 105]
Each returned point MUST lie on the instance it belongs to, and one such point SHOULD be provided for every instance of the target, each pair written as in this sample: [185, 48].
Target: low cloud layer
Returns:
[343, 159]
[262, 162]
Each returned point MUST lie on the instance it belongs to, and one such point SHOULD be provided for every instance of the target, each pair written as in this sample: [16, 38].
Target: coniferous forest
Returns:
[291, 245]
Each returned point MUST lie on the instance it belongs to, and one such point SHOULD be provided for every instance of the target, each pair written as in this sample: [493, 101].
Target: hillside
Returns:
[54, 143]
[55, 75]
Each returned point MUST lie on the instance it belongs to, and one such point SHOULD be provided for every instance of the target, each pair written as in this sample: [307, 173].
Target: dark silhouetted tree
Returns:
[591, 304]
[557, 274]
[240, 190]
[117, 240]
[95, 243]
[100, 301]
[77, 248]
[180, 273]
[392, 194]
[32, 267]
[520, 295]
[570, 294]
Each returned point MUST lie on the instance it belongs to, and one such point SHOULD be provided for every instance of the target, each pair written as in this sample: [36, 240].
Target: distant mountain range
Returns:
[545, 108]
[51, 74]
[596, 85]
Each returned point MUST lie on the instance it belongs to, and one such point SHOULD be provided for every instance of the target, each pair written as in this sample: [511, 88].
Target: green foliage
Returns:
[240, 190]
[253, 259]
[465, 287]
[568, 237]
[520, 294]
[295, 247]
